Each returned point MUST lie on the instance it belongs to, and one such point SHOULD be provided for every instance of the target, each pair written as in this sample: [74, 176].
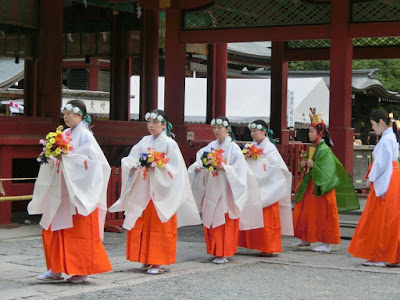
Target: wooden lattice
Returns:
[257, 13]
[375, 11]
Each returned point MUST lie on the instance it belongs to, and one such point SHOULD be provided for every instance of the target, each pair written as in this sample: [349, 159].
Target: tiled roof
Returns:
[10, 72]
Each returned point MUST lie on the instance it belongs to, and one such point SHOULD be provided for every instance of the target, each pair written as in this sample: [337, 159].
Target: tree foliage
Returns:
[388, 69]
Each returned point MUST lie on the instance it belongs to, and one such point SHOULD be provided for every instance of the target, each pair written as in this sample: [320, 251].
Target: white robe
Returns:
[80, 185]
[169, 195]
[233, 191]
[274, 183]
[385, 152]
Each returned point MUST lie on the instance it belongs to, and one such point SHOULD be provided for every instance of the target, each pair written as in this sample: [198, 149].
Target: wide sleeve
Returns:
[46, 190]
[86, 172]
[236, 174]
[323, 172]
[170, 189]
[133, 185]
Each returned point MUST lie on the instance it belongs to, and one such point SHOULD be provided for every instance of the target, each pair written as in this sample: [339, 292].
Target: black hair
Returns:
[321, 127]
[381, 114]
[161, 113]
[80, 104]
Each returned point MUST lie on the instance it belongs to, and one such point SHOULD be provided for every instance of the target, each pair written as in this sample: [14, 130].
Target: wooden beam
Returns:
[381, 29]
[279, 33]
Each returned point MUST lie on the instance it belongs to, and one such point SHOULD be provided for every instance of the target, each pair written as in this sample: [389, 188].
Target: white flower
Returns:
[249, 126]
[225, 123]
[259, 126]
[219, 121]
[147, 116]
[75, 110]
[153, 116]
[253, 126]
[212, 122]
[68, 107]
[160, 118]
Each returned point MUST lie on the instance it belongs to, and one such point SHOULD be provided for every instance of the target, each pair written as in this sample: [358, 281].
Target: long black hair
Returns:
[381, 114]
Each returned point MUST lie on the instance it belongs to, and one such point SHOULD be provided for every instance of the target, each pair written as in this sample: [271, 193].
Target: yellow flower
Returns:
[58, 132]
[244, 151]
[150, 159]
[58, 151]
[211, 168]
[54, 153]
[205, 161]
[47, 136]
[48, 146]
[52, 140]
[47, 153]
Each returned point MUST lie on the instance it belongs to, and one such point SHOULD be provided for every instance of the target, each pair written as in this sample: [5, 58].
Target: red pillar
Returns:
[175, 61]
[150, 67]
[340, 102]
[50, 58]
[94, 74]
[120, 73]
[217, 67]
[174, 94]
[279, 78]
[220, 69]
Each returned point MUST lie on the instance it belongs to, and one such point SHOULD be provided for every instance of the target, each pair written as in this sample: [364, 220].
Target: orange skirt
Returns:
[77, 250]
[267, 239]
[377, 236]
[151, 241]
[222, 241]
[316, 219]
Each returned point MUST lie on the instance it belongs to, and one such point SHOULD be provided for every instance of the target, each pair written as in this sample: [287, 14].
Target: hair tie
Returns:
[168, 129]
[231, 133]
[88, 120]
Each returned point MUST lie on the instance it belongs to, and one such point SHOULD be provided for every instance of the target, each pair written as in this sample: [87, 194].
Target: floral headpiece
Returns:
[256, 126]
[154, 116]
[74, 109]
[77, 110]
[219, 121]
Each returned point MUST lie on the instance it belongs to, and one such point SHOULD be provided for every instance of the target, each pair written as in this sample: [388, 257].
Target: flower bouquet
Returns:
[153, 158]
[213, 160]
[252, 151]
[55, 144]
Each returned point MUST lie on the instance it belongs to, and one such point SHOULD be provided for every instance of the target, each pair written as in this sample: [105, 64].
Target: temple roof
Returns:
[10, 71]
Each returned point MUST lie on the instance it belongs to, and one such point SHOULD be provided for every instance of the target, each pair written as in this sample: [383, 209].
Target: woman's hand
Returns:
[310, 163]
[303, 163]
[368, 184]
[197, 170]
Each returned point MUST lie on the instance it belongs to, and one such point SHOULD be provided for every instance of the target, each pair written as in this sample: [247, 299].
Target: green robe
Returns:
[329, 174]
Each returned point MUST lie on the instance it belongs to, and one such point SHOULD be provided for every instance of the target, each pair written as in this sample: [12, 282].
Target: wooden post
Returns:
[279, 79]
[50, 58]
[340, 102]
[150, 66]
[120, 72]
[217, 68]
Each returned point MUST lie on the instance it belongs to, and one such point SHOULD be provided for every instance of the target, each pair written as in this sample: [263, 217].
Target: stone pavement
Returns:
[294, 274]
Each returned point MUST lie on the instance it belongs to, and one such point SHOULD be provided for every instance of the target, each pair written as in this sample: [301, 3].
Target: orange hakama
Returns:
[316, 219]
[77, 250]
[222, 241]
[268, 238]
[377, 236]
[151, 241]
